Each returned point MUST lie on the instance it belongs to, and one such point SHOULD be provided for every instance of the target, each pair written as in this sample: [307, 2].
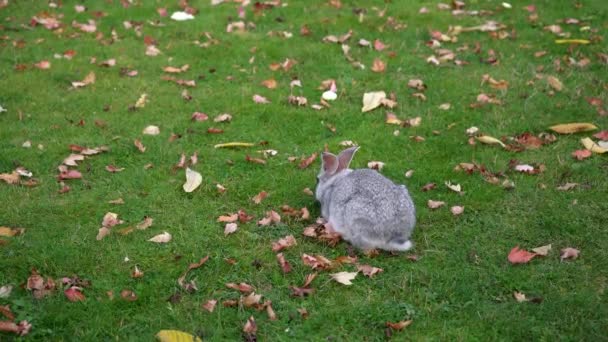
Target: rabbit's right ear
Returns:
[329, 163]
[345, 157]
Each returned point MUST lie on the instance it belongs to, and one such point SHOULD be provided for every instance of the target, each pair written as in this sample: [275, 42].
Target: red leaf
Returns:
[603, 135]
[581, 154]
[74, 295]
[520, 256]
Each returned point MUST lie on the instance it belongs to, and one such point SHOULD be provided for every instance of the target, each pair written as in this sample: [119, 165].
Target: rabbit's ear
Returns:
[345, 157]
[330, 163]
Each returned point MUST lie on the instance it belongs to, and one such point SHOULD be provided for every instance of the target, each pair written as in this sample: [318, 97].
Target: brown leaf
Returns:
[255, 160]
[145, 224]
[209, 305]
[270, 83]
[305, 162]
[257, 199]
[128, 295]
[399, 325]
[555, 83]
[368, 270]
[284, 243]
[139, 145]
[228, 218]
[269, 311]
[435, 204]
[114, 169]
[10, 178]
[250, 327]
[242, 287]
[10, 232]
[191, 286]
[285, 266]
[271, 217]
[89, 79]
[251, 299]
[378, 65]
[316, 262]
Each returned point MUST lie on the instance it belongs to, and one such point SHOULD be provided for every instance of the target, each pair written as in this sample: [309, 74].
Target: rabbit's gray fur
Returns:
[366, 208]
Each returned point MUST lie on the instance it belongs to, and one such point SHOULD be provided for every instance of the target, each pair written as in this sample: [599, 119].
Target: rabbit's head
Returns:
[333, 167]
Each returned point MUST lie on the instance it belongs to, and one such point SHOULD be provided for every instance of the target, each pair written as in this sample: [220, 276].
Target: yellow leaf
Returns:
[574, 127]
[372, 100]
[486, 139]
[555, 83]
[193, 180]
[592, 146]
[234, 144]
[176, 336]
[572, 41]
[344, 277]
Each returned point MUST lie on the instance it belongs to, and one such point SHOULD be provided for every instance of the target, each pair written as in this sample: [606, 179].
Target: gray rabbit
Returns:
[366, 208]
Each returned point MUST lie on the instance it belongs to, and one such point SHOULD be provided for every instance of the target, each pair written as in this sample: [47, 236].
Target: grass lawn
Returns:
[456, 284]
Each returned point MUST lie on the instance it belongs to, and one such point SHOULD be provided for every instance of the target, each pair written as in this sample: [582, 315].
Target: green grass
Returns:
[461, 287]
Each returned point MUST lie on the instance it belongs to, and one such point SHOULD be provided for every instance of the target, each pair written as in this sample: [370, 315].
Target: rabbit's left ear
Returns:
[345, 157]
[329, 164]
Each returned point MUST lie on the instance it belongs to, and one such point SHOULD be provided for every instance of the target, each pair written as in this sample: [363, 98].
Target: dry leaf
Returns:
[242, 287]
[209, 305]
[399, 325]
[230, 228]
[555, 83]
[193, 180]
[260, 99]
[581, 154]
[316, 262]
[435, 204]
[257, 199]
[161, 238]
[344, 277]
[270, 83]
[568, 253]
[543, 250]
[486, 139]
[457, 210]
[151, 130]
[520, 297]
[228, 218]
[372, 100]
[574, 127]
[375, 165]
[284, 264]
[250, 328]
[378, 65]
[284, 243]
[368, 270]
[139, 145]
[520, 256]
[10, 232]
[592, 146]
[89, 79]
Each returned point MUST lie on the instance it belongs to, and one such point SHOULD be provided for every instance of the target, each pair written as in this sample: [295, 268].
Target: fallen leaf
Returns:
[257, 199]
[242, 287]
[284, 264]
[209, 305]
[399, 325]
[260, 99]
[520, 297]
[269, 83]
[176, 336]
[568, 253]
[375, 165]
[193, 180]
[43, 65]
[145, 224]
[305, 162]
[555, 83]
[368, 270]
[10, 232]
[457, 210]
[21, 329]
[581, 154]
[486, 139]
[74, 294]
[230, 228]
[191, 286]
[110, 220]
[271, 217]
[344, 277]
[603, 135]
[520, 256]
[592, 146]
[378, 65]
[435, 204]
[151, 130]
[5, 291]
[137, 273]
[228, 218]
[283, 243]
[250, 328]
[316, 262]
[454, 187]
[574, 127]
[114, 169]
[372, 100]
[543, 250]
[139, 145]
[567, 186]
[89, 79]
[161, 238]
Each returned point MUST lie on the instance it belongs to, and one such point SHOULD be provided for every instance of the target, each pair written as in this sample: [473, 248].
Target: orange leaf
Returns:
[520, 256]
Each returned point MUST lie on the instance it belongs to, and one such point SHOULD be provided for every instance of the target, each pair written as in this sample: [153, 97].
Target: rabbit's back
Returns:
[368, 203]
